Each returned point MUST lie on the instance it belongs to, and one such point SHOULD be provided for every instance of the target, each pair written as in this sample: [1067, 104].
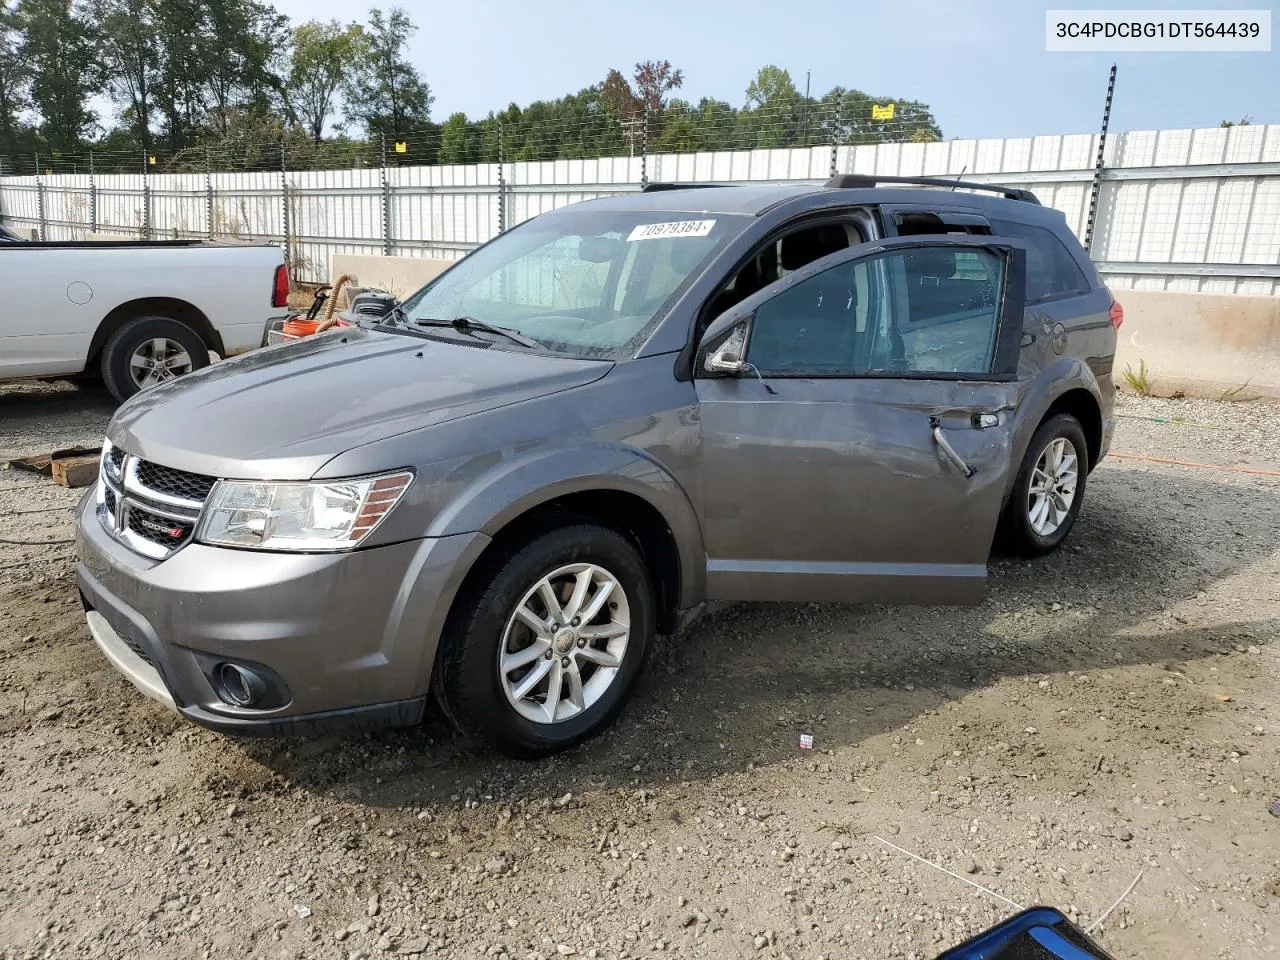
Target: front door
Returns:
[862, 452]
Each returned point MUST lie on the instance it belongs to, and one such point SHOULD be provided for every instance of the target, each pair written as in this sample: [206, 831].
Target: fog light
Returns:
[239, 686]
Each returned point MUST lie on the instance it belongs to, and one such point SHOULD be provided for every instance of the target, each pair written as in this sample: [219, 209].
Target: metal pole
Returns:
[1097, 170]
[40, 200]
[93, 196]
[146, 198]
[502, 180]
[284, 206]
[644, 149]
[208, 192]
[835, 134]
[386, 202]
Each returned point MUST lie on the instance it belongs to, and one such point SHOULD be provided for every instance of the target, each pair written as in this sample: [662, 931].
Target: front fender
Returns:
[517, 485]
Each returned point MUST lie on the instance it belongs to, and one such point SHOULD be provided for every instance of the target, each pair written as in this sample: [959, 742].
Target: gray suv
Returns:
[583, 433]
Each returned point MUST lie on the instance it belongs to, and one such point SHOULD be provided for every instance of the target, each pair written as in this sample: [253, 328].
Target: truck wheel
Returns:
[150, 350]
[545, 647]
[1049, 489]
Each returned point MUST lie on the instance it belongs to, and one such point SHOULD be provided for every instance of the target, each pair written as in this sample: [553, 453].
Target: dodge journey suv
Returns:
[584, 432]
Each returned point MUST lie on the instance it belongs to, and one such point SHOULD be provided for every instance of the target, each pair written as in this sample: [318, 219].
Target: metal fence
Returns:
[1188, 210]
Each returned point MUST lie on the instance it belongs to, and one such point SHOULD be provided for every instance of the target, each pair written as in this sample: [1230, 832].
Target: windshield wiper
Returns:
[468, 324]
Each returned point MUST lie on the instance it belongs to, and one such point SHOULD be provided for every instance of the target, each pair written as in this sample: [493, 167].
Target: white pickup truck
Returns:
[133, 313]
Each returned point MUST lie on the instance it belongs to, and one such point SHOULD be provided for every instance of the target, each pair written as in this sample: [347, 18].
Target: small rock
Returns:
[232, 809]
[894, 829]
[498, 866]
[341, 935]
[564, 802]
[972, 867]
[1126, 835]
[314, 821]
[374, 905]
[1274, 808]
[302, 910]
[760, 943]
[565, 950]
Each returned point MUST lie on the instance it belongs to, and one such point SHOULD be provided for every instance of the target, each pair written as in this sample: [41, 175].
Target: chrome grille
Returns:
[151, 508]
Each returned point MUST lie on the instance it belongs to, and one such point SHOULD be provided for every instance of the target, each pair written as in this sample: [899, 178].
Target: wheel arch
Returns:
[626, 492]
[171, 307]
[1084, 406]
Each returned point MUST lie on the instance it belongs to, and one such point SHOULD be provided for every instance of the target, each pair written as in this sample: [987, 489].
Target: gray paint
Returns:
[824, 489]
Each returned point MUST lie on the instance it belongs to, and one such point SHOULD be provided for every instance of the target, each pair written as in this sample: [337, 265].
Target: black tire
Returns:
[121, 345]
[1018, 536]
[466, 678]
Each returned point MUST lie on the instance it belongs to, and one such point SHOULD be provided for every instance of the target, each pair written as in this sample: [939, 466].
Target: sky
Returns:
[981, 65]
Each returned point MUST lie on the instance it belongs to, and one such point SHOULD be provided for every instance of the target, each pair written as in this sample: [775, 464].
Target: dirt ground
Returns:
[1111, 712]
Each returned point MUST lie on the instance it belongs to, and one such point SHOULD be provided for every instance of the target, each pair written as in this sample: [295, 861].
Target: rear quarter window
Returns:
[1052, 272]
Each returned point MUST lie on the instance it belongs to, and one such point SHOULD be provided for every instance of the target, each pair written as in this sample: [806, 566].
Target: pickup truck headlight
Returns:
[317, 516]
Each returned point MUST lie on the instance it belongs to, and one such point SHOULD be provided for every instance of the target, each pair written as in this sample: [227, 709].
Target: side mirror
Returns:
[727, 357]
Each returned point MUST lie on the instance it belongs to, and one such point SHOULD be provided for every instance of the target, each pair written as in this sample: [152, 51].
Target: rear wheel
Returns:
[544, 650]
[150, 350]
[1049, 489]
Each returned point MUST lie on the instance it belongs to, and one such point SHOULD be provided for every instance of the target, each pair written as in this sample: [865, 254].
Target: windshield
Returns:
[590, 284]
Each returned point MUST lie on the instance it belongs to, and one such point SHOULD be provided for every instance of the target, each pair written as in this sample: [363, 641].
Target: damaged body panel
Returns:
[585, 432]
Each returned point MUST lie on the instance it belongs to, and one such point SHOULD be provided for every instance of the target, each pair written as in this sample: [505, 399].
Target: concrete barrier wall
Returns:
[1201, 344]
[398, 275]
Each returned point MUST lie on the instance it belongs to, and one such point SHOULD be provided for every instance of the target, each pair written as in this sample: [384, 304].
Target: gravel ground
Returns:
[1109, 713]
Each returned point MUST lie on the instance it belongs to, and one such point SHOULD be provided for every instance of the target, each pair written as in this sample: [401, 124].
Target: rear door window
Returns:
[1052, 272]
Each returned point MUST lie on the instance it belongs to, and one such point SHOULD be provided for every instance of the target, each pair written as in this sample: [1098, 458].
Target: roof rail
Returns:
[858, 180]
[653, 187]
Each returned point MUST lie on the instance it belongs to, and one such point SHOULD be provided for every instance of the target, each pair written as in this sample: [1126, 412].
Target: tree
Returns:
[183, 71]
[240, 43]
[1242, 122]
[61, 50]
[772, 102]
[653, 80]
[323, 55]
[385, 94]
[14, 77]
[131, 57]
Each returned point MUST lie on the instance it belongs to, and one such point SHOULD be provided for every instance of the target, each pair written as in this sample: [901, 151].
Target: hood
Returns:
[283, 412]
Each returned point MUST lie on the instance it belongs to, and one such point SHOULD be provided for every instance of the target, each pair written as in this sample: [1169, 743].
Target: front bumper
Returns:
[351, 636]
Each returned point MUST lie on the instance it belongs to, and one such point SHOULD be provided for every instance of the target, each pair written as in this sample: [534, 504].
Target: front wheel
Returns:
[1049, 489]
[545, 647]
[150, 350]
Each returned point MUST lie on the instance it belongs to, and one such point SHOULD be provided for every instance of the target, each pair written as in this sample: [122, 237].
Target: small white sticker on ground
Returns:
[675, 228]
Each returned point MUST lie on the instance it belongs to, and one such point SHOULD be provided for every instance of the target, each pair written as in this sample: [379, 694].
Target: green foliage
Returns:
[385, 94]
[232, 84]
[323, 56]
[1138, 381]
[61, 51]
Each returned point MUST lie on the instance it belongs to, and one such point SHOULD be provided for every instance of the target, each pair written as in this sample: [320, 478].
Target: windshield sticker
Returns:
[676, 228]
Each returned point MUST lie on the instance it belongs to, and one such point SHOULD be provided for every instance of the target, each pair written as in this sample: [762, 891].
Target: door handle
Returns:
[940, 438]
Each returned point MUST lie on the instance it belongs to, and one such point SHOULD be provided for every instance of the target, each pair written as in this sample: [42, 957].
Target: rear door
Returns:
[863, 454]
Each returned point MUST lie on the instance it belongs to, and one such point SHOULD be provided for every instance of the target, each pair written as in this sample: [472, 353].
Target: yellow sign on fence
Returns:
[401, 147]
[879, 112]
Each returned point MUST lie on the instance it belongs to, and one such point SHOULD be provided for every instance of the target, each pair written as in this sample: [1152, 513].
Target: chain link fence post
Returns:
[502, 180]
[386, 201]
[40, 200]
[835, 134]
[93, 196]
[644, 148]
[1097, 170]
[146, 197]
[208, 193]
[284, 207]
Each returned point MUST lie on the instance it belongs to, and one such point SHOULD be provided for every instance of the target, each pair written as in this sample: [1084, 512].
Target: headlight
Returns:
[321, 515]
